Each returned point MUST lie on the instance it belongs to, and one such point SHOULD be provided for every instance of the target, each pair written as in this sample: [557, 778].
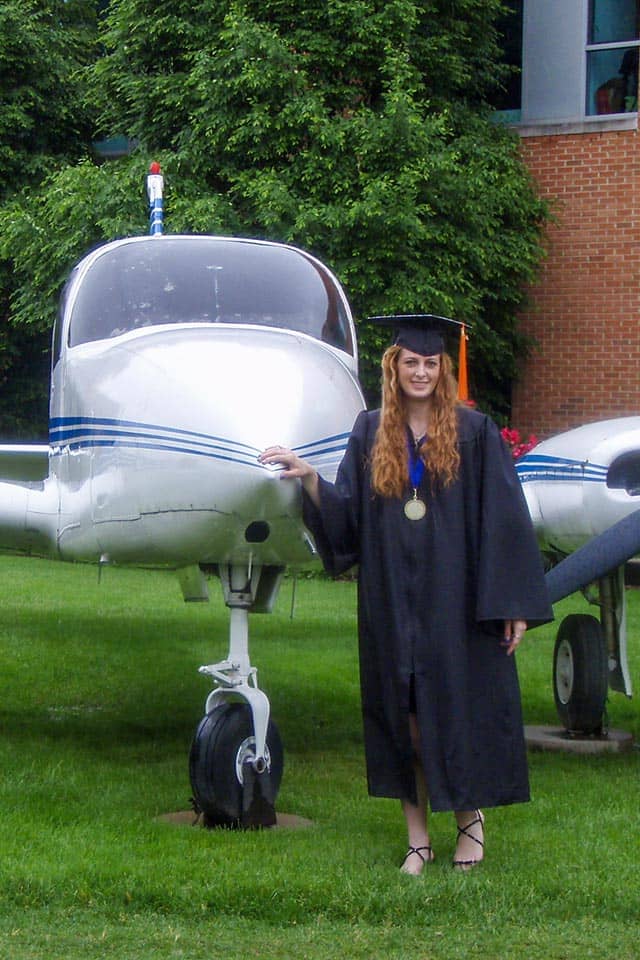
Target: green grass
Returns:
[99, 698]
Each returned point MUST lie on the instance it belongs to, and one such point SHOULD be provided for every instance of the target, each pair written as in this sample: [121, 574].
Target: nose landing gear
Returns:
[236, 758]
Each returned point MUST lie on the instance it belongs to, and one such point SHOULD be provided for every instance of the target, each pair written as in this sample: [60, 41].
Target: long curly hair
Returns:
[390, 455]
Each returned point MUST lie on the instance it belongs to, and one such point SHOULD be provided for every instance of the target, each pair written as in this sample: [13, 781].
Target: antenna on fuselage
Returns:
[155, 184]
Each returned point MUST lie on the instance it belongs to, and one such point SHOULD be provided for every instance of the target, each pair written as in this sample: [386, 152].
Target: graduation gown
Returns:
[432, 598]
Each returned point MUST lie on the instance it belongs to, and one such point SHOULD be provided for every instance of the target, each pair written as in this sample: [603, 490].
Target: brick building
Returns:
[576, 113]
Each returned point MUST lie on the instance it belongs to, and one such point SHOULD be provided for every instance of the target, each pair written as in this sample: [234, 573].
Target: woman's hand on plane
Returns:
[294, 467]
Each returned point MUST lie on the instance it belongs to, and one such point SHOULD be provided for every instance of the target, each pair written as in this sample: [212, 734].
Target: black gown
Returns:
[432, 598]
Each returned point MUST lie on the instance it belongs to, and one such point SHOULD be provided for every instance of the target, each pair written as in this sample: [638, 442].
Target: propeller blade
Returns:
[595, 559]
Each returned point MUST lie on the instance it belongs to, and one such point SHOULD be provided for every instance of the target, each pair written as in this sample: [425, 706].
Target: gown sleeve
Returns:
[335, 524]
[511, 583]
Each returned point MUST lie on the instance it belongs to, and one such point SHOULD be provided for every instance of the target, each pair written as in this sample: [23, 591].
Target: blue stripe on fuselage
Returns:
[78, 433]
[537, 467]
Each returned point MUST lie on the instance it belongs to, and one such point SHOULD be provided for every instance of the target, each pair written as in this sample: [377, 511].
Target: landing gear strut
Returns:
[236, 758]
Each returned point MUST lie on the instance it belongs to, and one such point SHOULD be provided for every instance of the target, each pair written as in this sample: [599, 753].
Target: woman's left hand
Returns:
[513, 634]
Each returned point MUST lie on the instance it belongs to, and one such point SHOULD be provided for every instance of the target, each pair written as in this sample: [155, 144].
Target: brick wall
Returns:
[585, 309]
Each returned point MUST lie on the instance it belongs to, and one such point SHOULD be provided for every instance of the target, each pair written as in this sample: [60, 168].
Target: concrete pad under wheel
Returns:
[557, 738]
[187, 818]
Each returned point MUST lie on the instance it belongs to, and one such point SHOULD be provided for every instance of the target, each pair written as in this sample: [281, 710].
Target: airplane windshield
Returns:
[207, 280]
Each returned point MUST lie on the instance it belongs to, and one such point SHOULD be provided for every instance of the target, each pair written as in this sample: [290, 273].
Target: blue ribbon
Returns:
[416, 465]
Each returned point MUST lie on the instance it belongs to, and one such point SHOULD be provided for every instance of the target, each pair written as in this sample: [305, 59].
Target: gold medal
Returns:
[415, 508]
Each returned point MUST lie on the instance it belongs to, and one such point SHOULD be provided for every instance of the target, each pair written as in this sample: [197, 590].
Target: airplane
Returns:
[582, 488]
[176, 359]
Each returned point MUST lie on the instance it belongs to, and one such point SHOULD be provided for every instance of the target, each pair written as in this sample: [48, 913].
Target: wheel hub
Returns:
[247, 754]
[564, 672]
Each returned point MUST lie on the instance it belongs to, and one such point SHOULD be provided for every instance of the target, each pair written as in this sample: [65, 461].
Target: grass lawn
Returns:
[99, 699]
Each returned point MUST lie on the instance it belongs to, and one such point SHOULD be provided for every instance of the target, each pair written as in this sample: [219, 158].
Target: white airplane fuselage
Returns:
[156, 426]
[164, 468]
[579, 483]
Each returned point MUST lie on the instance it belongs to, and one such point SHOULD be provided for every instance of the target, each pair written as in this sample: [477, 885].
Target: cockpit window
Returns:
[207, 280]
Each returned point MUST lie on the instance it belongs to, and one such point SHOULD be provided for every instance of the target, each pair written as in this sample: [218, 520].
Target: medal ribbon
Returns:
[416, 466]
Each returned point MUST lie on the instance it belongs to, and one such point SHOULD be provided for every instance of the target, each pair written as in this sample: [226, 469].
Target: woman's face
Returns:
[418, 375]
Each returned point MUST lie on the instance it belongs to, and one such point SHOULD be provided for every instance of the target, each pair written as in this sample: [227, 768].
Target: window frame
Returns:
[554, 72]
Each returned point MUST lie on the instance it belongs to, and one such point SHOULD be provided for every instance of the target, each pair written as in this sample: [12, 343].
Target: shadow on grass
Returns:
[117, 681]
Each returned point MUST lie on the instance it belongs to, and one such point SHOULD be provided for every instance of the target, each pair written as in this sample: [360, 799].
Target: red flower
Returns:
[518, 446]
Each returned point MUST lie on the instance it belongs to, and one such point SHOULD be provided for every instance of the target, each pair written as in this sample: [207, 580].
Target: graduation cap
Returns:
[423, 333]
[426, 334]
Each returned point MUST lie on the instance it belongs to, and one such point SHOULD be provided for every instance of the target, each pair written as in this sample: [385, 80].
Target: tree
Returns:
[354, 128]
[43, 120]
[44, 124]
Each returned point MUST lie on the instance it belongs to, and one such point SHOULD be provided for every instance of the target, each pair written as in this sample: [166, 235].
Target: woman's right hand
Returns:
[294, 467]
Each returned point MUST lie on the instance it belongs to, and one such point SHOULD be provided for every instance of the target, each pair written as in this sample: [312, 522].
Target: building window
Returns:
[612, 56]
[579, 62]
[508, 98]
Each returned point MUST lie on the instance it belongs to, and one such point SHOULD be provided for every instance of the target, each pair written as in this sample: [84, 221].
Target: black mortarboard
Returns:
[422, 333]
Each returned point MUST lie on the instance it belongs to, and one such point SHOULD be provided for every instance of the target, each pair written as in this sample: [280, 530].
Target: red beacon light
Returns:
[155, 184]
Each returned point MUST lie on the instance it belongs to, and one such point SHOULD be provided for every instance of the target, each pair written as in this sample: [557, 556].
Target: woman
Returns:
[428, 503]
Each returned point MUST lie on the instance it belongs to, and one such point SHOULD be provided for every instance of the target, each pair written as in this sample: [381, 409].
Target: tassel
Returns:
[463, 384]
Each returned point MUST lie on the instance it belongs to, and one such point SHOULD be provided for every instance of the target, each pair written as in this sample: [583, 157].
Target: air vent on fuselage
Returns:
[257, 532]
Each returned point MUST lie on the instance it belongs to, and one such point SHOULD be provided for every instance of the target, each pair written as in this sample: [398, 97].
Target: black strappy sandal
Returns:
[468, 864]
[425, 860]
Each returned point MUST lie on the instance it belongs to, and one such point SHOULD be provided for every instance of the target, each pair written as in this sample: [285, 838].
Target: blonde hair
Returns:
[439, 450]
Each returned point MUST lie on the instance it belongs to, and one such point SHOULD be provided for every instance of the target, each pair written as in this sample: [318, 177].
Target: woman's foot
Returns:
[470, 847]
[415, 860]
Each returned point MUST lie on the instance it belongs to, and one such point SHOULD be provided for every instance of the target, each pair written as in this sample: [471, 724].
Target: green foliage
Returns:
[353, 128]
[42, 118]
[44, 124]
[24, 383]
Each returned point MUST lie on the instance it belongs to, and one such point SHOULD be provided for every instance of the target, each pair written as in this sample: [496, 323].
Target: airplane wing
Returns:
[28, 504]
[24, 462]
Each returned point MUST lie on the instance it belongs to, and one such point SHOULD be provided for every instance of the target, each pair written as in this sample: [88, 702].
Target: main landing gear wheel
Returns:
[224, 782]
[580, 674]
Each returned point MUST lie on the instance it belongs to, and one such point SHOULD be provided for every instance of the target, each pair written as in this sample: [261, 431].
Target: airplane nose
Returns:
[250, 387]
[208, 401]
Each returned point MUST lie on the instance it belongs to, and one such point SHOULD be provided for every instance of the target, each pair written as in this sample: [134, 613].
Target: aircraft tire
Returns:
[223, 737]
[580, 674]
